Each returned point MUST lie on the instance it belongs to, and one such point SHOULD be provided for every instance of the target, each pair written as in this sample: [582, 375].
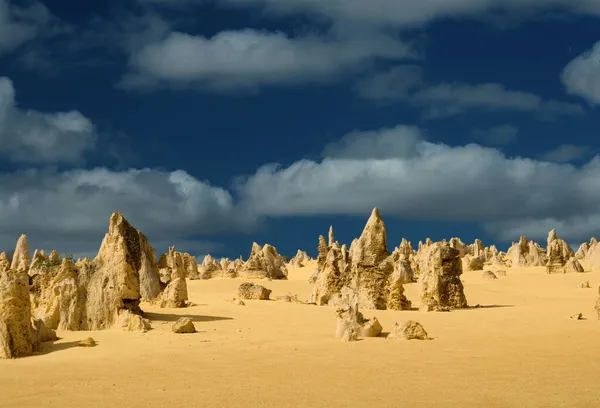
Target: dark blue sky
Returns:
[212, 90]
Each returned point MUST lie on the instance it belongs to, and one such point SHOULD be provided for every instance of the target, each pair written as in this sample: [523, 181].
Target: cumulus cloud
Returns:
[582, 75]
[249, 58]
[69, 211]
[420, 180]
[567, 153]
[449, 99]
[498, 135]
[28, 136]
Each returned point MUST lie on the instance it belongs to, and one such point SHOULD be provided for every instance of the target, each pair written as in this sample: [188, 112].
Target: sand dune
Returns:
[519, 350]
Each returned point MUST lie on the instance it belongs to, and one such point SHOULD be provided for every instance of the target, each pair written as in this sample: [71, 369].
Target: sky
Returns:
[215, 123]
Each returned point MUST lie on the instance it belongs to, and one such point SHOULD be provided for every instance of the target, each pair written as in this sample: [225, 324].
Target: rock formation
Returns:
[368, 266]
[478, 249]
[441, 287]
[300, 259]
[409, 330]
[488, 275]
[597, 306]
[264, 262]
[473, 263]
[184, 325]
[463, 249]
[589, 255]
[19, 336]
[250, 290]
[526, 253]
[584, 285]
[572, 265]
[175, 294]
[331, 236]
[190, 266]
[20, 259]
[558, 253]
[351, 323]
[100, 294]
[331, 277]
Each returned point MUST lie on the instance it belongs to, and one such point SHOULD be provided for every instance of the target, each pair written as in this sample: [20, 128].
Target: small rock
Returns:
[89, 342]
[250, 290]
[408, 330]
[489, 275]
[289, 298]
[238, 302]
[501, 273]
[584, 285]
[576, 316]
[350, 335]
[372, 328]
[184, 325]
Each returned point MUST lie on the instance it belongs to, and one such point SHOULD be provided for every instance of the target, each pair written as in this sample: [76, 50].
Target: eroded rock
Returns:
[408, 330]
[250, 290]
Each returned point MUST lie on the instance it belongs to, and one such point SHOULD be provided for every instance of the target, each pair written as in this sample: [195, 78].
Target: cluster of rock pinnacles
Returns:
[47, 293]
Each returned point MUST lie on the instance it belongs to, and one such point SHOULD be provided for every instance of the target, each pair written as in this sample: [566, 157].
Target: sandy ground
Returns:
[520, 350]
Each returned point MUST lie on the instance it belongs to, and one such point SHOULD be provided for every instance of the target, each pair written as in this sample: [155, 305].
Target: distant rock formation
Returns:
[21, 260]
[190, 266]
[175, 294]
[588, 255]
[263, 262]
[473, 263]
[441, 287]
[558, 254]
[377, 275]
[300, 259]
[526, 253]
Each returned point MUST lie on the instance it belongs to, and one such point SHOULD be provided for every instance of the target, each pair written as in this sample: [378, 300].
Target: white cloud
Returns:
[566, 153]
[28, 136]
[427, 181]
[394, 84]
[498, 135]
[248, 58]
[398, 142]
[582, 75]
[69, 211]
[21, 24]
[410, 13]
[449, 99]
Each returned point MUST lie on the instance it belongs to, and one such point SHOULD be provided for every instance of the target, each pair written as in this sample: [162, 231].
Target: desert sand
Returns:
[520, 349]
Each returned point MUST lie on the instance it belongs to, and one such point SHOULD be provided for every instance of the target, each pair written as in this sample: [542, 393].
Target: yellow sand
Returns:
[522, 352]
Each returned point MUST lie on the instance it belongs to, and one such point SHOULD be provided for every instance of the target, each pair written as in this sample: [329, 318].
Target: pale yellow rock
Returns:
[440, 284]
[264, 262]
[184, 325]
[408, 330]
[20, 259]
[526, 253]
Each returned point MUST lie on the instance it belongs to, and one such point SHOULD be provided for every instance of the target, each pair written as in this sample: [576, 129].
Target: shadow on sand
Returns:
[486, 307]
[167, 317]
[53, 346]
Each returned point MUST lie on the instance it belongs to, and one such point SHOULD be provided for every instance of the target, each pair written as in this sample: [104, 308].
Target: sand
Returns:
[520, 350]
